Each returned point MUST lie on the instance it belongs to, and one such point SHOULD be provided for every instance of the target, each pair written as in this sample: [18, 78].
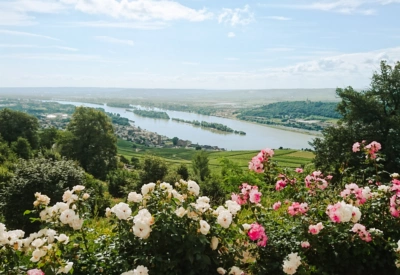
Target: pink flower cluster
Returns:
[283, 181]
[35, 272]
[343, 212]
[247, 192]
[395, 205]
[371, 148]
[395, 186]
[276, 205]
[305, 244]
[362, 232]
[257, 233]
[257, 163]
[314, 229]
[317, 180]
[298, 208]
[361, 195]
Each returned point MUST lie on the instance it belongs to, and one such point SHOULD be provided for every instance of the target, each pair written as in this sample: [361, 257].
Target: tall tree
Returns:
[371, 115]
[15, 124]
[200, 165]
[90, 139]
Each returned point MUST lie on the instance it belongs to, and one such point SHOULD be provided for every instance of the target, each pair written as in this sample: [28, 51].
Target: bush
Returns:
[36, 175]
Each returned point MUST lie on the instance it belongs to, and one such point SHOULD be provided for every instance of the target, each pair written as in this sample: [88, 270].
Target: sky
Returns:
[203, 44]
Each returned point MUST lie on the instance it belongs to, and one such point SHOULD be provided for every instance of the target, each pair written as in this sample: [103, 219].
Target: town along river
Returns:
[257, 136]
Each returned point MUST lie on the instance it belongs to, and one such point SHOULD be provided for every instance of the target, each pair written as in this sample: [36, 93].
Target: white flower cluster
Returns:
[41, 200]
[142, 222]
[37, 244]
[291, 264]
[65, 211]
[140, 270]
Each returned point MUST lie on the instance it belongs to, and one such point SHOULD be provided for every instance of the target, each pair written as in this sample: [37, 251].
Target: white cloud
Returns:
[16, 13]
[18, 33]
[153, 25]
[279, 18]
[143, 10]
[38, 47]
[113, 40]
[231, 34]
[236, 16]
[365, 7]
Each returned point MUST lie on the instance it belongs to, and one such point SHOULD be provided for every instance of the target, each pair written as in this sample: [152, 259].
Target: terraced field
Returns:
[285, 158]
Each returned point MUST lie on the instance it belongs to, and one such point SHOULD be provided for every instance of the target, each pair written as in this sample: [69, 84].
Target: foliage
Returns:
[152, 114]
[48, 137]
[90, 139]
[121, 181]
[175, 140]
[212, 125]
[15, 124]
[183, 172]
[293, 109]
[22, 148]
[200, 165]
[153, 169]
[373, 114]
[36, 175]
[295, 222]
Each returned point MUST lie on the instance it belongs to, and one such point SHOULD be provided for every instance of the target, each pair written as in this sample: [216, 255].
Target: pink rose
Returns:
[277, 205]
[35, 272]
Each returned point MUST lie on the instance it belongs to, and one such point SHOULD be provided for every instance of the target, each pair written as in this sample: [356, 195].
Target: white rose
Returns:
[78, 188]
[76, 223]
[122, 211]
[236, 271]
[63, 238]
[145, 216]
[204, 227]
[214, 243]
[141, 270]
[38, 243]
[66, 268]
[193, 187]
[141, 229]
[67, 216]
[224, 218]
[180, 212]
[85, 196]
[221, 271]
[134, 197]
[146, 188]
[232, 206]
[37, 254]
[67, 196]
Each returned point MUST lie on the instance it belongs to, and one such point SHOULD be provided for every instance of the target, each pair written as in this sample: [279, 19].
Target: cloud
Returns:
[38, 47]
[365, 7]
[15, 13]
[231, 34]
[142, 10]
[279, 18]
[236, 16]
[28, 34]
[113, 40]
[153, 25]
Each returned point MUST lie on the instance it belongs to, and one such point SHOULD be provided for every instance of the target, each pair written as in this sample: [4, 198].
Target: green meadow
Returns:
[284, 157]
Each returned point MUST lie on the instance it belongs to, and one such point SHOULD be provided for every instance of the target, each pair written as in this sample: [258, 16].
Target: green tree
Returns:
[183, 171]
[175, 141]
[200, 165]
[153, 169]
[371, 115]
[22, 148]
[15, 124]
[121, 182]
[90, 139]
[48, 137]
[36, 175]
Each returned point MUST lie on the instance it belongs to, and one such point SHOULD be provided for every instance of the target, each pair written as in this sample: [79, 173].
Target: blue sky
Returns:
[212, 44]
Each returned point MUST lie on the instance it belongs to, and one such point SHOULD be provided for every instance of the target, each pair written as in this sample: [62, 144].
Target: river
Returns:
[257, 136]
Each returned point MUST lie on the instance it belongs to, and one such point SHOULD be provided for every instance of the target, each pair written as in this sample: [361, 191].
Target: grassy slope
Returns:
[285, 158]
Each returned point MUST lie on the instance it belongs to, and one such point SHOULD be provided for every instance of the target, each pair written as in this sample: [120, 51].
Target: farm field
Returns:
[284, 157]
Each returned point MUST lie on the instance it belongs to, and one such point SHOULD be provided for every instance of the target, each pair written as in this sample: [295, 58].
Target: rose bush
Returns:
[297, 222]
